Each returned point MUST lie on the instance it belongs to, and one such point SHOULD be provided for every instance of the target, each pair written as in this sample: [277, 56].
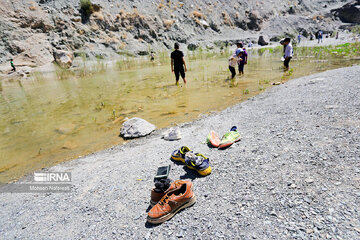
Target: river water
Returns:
[49, 118]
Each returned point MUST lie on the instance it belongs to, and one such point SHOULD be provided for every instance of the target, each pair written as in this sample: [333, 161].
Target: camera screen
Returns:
[162, 171]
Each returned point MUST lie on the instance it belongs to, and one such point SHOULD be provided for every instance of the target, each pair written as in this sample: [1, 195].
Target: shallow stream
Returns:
[50, 118]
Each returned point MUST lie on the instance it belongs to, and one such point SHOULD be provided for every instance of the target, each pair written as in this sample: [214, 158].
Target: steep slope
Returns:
[32, 30]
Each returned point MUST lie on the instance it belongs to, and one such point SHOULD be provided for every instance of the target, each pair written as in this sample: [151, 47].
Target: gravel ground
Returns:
[294, 175]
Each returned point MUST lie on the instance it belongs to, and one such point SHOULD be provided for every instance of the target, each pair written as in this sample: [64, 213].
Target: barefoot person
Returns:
[12, 65]
[243, 59]
[288, 51]
[178, 65]
[233, 61]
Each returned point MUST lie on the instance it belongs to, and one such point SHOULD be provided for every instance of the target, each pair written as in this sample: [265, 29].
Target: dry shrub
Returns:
[112, 39]
[32, 7]
[227, 19]
[123, 35]
[318, 17]
[130, 15]
[81, 31]
[129, 28]
[122, 45]
[94, 27]
[181, 4]
[98, 15]
[161, 6]
[168, 23]
[197, 21]
[198, 15]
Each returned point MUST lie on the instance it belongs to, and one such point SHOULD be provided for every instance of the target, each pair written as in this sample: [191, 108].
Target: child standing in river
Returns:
[288, 52]
[12, 65]
[233, 61]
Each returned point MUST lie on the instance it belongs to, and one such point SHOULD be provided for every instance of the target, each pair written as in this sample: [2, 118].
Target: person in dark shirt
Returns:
[243, 60]
[178, 65]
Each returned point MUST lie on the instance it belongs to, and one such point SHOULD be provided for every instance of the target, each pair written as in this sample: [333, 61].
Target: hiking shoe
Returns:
[157, 195]
[229, 138]
[172, 202]
[172, 134]
[179, 155]
[213, 139]
[197, 162]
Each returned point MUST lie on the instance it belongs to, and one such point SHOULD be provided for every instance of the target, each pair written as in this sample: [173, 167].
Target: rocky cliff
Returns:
[32, 31]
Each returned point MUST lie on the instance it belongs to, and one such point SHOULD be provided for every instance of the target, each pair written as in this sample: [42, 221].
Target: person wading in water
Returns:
[178, 65]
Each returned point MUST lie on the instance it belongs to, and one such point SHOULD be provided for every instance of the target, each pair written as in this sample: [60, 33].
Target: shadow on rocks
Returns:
[153, 225]
[190, 174]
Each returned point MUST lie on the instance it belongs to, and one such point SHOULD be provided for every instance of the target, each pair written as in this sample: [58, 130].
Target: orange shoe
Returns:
[213, 139]
[171, 203]
[157, 196]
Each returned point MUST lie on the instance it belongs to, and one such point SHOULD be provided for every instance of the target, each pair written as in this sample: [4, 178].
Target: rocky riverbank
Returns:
[38, 32]
[294, 175]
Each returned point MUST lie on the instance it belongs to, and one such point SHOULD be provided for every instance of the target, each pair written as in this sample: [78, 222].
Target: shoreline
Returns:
[298, 139]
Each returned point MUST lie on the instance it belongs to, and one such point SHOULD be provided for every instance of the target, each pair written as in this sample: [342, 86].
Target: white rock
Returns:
[136, 127]
[63, 58]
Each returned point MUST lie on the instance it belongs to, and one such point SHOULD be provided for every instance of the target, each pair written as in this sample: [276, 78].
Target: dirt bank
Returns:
[295, 174]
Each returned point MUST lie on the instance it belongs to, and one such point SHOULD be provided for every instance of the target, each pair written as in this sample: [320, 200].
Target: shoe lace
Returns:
[177, 183]
[164, 200]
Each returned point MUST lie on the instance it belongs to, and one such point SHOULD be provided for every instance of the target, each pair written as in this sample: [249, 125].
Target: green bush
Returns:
[356, 29]
[86, 6]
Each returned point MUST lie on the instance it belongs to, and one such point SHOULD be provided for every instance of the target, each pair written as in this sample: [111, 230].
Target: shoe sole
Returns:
[204, 172]
[228, 144]
[170, 215]
[153, 203]
[179, 159]
[172, 139]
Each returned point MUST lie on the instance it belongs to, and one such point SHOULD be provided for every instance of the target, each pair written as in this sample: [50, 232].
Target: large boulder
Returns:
[349, 13]
[255, 21]
[262, 41]
[63, 58]
[136, 127]
[192, 46]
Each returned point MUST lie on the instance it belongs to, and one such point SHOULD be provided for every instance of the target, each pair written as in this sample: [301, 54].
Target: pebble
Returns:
[309, 180]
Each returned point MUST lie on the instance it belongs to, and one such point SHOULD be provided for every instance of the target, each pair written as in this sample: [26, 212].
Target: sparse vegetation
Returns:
[343, 50]
[227, 19]
[32, 7]
[356, 30]
[168, 23]
[86, 6]
[98, 15]
[197, 14]
[161, 6]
